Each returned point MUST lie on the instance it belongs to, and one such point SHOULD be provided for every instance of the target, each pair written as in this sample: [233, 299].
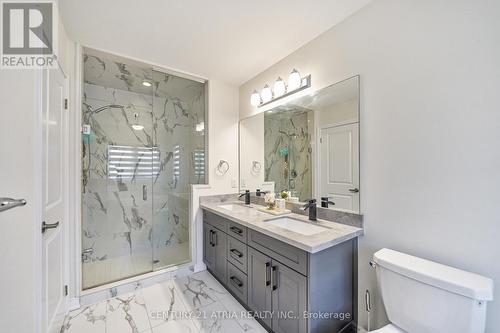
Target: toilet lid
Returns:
[389, 329]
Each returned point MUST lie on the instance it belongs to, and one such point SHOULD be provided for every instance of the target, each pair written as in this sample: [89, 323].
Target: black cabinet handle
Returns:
[236, 230]
[267, 275]
[210, 238]
[236, 281]
[238, 253]
[275, 277]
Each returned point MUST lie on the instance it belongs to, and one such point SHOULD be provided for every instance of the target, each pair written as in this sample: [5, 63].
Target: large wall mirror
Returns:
[308, 147]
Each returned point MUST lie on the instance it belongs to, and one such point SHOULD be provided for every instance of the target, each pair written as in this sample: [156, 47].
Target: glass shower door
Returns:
[179, 135]
[143, 145]
[119, 160]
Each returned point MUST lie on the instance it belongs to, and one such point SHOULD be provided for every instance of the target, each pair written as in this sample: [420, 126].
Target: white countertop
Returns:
[251, 217]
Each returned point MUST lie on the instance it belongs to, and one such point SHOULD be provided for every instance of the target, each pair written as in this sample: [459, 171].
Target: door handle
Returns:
[267, 274]
[236, 281]
[46, 226]
[275, 277]
[236, 230]
[354, 190]
[144, 192]
[8, 203]
[212, 238]
[236, 252]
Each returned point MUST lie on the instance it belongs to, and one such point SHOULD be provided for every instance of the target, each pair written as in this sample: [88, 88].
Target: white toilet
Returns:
[421, 296]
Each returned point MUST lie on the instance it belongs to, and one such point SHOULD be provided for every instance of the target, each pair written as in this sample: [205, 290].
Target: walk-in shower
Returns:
[143, 144]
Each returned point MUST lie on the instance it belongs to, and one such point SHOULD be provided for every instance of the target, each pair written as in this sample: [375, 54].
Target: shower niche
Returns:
[143, 145]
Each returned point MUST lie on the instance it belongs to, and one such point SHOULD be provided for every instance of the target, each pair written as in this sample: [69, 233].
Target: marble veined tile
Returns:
[199, 289]
[127, 313]
[88, 319]
[188, 304]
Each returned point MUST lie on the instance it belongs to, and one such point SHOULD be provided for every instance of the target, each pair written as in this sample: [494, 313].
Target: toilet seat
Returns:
[389, 329]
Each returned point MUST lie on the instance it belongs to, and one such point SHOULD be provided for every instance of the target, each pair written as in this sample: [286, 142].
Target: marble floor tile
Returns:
[200, 289]
[127, 313]
[164, 304]
[188, 304]
[87, 319]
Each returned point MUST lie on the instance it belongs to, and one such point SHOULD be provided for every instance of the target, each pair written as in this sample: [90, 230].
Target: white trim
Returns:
[75, 283]
[37, 204]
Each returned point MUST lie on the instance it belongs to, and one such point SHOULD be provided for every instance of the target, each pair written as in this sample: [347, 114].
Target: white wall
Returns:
[223, 135]
[430, 154]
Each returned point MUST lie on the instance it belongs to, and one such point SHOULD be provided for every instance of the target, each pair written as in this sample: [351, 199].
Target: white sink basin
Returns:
[233, 207]
[303, 228]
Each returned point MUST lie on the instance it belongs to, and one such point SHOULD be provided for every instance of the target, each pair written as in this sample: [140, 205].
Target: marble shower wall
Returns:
[287, 151]
[135, 183]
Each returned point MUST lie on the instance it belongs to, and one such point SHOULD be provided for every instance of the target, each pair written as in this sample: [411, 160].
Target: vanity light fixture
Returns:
[266, 94]
[137, 126]
[296, 83]
[255, 98]
[279, 87]
[294, 79]
[146, 83]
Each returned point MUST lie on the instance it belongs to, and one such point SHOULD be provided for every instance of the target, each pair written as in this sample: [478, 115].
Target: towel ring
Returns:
[222, 167]
[256, 167]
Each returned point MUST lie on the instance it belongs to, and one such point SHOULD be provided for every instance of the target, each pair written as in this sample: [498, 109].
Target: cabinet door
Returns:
[208, 246]
[289, 298]
[259, 284]
[220, 254]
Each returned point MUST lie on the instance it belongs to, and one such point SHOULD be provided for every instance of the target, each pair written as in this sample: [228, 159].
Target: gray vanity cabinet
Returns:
[289, 299]
[278, 282]
[259, 284]
[277, 289]
[215, 251]
[208, 248]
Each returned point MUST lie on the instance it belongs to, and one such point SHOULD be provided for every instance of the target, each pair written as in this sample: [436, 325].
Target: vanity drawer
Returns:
[215, 220]
[237, 253]
[289, 255]
[237, 282]
[237, 231]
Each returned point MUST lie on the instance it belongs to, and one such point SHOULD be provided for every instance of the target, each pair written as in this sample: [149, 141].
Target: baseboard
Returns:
[74, 303]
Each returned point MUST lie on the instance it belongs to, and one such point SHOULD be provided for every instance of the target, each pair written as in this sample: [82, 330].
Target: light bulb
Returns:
[146, 83]
[279, 87]
[255, 98]
[266, 94]
[294, 80]
[137, 127]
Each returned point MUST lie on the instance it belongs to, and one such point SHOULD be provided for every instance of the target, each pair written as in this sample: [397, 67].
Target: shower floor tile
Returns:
[195, 303]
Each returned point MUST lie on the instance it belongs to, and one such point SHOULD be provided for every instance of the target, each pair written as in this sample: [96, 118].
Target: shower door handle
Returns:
[144, 192]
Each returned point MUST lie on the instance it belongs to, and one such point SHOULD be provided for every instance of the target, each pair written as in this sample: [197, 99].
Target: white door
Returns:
[339, 166]
[54, 199]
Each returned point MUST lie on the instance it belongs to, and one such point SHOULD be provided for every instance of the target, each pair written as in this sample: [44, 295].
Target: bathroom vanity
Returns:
[292, 274]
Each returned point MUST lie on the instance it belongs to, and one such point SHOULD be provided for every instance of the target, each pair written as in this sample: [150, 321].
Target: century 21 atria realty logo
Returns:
[29, 33]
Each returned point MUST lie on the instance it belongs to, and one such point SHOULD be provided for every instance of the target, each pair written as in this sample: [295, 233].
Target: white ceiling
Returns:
[230, 40]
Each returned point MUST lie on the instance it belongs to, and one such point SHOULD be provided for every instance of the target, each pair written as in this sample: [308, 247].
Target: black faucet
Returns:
[259, 193]
[325, 202]
[311, 205]
[247, 197]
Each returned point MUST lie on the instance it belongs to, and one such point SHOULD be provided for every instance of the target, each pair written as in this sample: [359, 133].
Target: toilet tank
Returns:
[421, 296]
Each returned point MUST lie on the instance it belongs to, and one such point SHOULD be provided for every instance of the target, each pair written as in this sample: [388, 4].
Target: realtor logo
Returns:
[28, 34]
